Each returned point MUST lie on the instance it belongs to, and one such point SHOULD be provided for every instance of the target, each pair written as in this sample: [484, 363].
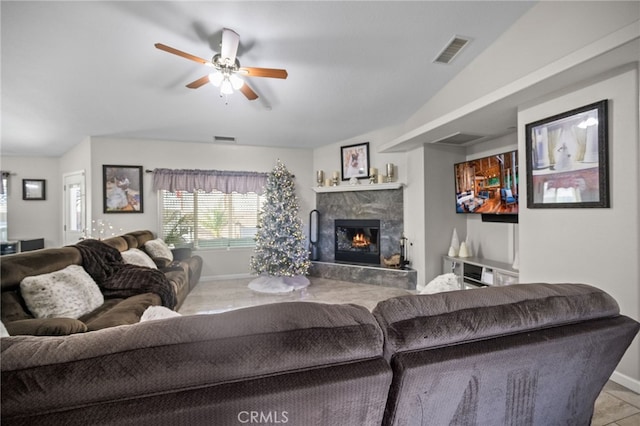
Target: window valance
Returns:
[209, 180]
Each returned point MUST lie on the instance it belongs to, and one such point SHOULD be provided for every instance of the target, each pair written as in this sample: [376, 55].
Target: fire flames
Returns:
[359, 240]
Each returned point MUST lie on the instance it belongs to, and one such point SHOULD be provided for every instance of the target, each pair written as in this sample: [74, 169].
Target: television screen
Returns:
[488, 185]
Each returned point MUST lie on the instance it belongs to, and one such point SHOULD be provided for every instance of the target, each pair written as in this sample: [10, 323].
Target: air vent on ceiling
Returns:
[224, 139]
[451, 50]
[458, 139]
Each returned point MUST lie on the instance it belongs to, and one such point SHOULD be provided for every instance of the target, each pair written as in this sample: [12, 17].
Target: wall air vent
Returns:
[451, 50]
[458, 139]
[224, 139]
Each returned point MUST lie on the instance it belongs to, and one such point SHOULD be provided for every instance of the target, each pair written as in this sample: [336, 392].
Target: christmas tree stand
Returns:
[275, 284]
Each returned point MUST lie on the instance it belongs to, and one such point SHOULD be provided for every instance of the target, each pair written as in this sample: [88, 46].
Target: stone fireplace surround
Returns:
[386, 205]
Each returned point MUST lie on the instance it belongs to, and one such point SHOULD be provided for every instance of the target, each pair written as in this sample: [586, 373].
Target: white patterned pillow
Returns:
[136, 256]
[3, 330]
[158, 248]
[67, 293]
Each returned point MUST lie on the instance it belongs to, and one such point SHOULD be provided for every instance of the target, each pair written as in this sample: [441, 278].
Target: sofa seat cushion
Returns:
[115, 312]
[46, 327]
[69, 292]
[417, 322]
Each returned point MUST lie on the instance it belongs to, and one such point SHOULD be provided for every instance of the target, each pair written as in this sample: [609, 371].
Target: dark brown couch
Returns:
[183, 274]
[522, 355]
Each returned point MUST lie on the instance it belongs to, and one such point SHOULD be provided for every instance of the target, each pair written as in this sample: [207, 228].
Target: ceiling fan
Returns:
[227, 67]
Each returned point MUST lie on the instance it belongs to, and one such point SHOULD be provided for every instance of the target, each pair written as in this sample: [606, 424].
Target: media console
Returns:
[476, 272]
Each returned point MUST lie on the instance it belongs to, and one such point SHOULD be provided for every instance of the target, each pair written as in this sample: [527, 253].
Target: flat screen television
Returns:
[488, 186]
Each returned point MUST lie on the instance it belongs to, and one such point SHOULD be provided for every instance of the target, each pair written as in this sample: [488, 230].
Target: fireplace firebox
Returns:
[357, 241]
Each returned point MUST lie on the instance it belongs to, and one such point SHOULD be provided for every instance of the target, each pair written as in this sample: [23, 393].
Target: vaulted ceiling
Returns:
[76, 69]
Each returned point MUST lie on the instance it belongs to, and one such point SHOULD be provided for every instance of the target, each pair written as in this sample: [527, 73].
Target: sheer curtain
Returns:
[209, 180]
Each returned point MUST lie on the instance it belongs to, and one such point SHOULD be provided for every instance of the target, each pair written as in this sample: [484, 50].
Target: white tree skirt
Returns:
[273, 284]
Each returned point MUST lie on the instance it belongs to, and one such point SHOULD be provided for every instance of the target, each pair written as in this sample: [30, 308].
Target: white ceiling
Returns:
[76, 69]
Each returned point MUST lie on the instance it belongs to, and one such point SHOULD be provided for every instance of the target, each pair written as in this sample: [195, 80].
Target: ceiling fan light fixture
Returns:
[216, 78]
[236, 82]
[226, 88]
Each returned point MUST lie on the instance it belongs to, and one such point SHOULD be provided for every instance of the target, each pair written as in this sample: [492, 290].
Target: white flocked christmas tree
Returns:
[281, 260]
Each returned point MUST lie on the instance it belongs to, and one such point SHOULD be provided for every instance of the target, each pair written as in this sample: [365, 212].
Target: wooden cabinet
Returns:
[476, 272]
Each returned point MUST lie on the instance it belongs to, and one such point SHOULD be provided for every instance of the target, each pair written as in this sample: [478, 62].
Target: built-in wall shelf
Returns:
[345, 187]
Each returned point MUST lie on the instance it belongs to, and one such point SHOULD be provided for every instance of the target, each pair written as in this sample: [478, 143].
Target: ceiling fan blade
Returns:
[181, 53]
[199, 82]
[229, 47]
[248, 92]
[264, 72]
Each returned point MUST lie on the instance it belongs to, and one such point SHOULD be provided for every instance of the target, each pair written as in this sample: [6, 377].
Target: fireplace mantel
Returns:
[345, 187]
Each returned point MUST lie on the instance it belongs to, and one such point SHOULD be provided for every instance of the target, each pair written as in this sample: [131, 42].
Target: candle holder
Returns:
[373, 175]
[389, 172]
[335, 177]
[320, 177]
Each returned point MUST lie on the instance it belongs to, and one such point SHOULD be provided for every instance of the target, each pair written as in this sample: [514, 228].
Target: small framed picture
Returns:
[122, 189]
[355, 161]
[34, 189]
[568, 159]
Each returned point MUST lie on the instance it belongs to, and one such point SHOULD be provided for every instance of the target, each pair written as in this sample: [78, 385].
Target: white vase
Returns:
[455, 242]
[463, 250]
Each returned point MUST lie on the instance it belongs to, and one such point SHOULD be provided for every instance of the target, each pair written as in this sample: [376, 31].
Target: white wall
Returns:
[35, 218]
[549, 31]
[153, 154]
[594, 246]
[440, 217]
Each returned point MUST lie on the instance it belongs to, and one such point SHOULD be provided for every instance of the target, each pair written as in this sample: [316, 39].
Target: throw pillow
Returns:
[136, 256]
[3, 330]
[67, 293]
[158, 312]
[158, 248]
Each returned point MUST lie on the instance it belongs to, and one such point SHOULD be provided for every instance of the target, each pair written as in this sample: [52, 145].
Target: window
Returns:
[210, 219]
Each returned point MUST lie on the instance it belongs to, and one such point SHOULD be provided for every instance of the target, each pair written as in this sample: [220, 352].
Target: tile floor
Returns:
[616, 405]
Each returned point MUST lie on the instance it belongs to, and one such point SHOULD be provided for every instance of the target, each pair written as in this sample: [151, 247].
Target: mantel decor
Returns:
[354, 160]
[122, 189]
[567, 159]
[34, 189]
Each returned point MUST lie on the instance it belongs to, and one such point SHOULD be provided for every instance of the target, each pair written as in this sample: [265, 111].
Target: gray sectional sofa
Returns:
[530, 354]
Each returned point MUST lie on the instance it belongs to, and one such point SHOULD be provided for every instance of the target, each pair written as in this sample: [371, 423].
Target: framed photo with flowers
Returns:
[355, 161]
[122, 189]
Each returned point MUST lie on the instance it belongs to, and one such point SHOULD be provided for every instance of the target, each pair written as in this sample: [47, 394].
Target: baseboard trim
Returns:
[626, 381]
[225, 277]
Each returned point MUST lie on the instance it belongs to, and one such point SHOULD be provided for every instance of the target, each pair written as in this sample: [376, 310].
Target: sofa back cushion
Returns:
[522, 354]
[120, 243]
[427, 321]
[15, 267]
[192, 352]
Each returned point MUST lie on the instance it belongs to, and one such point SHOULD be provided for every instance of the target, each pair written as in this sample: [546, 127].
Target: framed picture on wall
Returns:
[567, 159]
[122, 189]
[355, 161]
[34, 189]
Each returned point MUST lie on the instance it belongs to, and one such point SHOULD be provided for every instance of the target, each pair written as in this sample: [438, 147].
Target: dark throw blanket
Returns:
[118, 279]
